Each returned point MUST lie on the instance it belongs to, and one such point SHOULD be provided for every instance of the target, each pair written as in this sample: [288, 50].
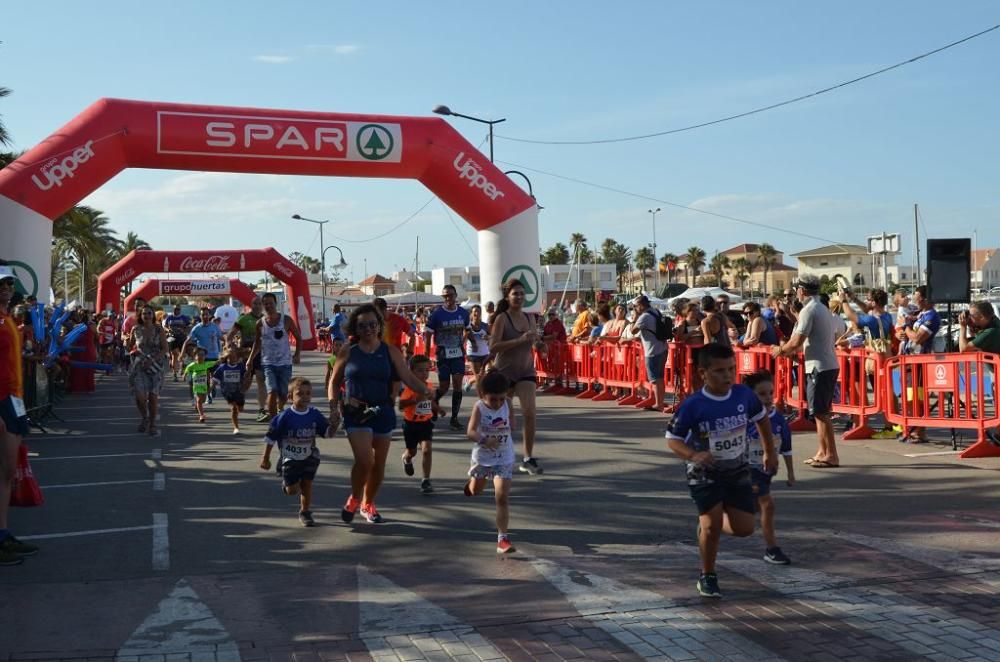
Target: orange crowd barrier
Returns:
[944, 391]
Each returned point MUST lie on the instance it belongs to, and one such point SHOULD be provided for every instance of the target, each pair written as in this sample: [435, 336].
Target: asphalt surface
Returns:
[181, 547]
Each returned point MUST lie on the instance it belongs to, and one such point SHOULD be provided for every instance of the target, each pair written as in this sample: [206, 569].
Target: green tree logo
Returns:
[528, 278]
[27, 279]
[374, 142]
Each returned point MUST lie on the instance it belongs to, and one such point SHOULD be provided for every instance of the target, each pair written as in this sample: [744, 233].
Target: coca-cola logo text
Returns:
[284, 270]
[212, 263]
[125, 276]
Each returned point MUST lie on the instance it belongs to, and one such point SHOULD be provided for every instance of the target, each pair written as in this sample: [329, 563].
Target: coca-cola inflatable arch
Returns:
[114, 134]
[138, 262]
[154, 287]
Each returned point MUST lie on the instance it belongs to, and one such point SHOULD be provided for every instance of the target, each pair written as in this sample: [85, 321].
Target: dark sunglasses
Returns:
[363, 326]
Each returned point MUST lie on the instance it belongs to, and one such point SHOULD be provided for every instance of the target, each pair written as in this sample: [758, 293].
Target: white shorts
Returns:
[492, 471]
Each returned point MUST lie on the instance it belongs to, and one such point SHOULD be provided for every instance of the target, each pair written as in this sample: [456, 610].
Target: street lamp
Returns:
[656, 259]
[445, 110]
[322, 254]
[341, 265]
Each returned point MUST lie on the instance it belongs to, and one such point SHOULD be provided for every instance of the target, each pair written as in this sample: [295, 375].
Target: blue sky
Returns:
[837, 167]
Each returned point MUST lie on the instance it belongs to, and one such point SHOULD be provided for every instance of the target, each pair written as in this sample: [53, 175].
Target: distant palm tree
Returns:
[644, 260]
[741, 271]
[132, 243]
[5, 138]
[718, 266]
[666, 260]
[85, 243]
[695, 259]
[308, 263]
[766, 259]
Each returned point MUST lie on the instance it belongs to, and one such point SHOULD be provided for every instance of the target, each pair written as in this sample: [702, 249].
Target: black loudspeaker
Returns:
[949, 270]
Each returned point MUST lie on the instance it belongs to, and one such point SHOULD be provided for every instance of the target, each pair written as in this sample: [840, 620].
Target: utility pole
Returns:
[916, 243]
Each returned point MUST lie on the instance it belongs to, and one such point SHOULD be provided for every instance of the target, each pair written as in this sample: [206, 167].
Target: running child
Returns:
[418, 427]
[294, 430]
[335, 346]
[477, 345]
[762, 384]
[198, 372]
[709, 432]
[490, 427]
[231, 378]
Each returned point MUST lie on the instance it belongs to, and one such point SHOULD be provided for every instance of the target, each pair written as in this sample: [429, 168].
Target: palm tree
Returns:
[4, 136]
[308, 264]
[741, 271]
[613, 252]
[766, 258]
[133, 242]
[558, 253]
[667, 260]
[695, 259]
[718, 267]
[84, 242]
[644, 260]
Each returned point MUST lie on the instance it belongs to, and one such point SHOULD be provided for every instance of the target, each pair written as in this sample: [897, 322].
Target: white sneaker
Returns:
[236, 430]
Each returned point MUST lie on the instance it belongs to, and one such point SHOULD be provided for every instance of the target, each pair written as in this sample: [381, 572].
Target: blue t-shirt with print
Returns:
[931, 321]
[294, 433]
[717, 424]
[230, 377]
[780, 433]
[871, 322]
[449, 330]
[337, 327]
[208, 336]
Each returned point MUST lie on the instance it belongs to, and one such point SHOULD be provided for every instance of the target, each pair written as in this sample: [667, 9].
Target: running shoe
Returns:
[351, 507]
[425, 486]
[371, 513]
[776, 556]
[530, 467]
[142, 426]
[236, 430]
[175, 376]
[505, 547]
[306, 518]
[708, 586]
[455, 424]
[10, 558]
[888, 433]
[408, 466]
[261, 416]
[12, 545]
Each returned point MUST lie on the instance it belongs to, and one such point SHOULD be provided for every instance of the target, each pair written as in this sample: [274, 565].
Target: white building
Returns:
[406, 281]
[465, 280]
[985, 268]
[848, 260]
[553, 279]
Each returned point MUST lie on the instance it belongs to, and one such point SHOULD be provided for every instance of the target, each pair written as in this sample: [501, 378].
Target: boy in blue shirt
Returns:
[709, 432]
[230, 376]
[294, 430]
[762, 384]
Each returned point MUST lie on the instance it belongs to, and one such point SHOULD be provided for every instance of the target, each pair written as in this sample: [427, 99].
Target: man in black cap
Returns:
[815, 333]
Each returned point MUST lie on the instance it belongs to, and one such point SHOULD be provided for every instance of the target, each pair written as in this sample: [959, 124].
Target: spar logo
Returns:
[374, 142]
[212, 263]
[27, 280]
[55, 171]
[294, 138]
[474, 173]
[528, 278]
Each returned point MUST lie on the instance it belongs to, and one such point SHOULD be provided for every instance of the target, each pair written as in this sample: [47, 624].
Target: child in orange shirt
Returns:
[418, 426]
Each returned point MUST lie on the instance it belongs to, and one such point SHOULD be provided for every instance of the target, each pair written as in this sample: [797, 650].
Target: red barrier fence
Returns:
[952, 390]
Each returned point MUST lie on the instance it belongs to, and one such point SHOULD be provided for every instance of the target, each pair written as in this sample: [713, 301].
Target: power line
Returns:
[677, 205]
[755, 110]
[459, 231]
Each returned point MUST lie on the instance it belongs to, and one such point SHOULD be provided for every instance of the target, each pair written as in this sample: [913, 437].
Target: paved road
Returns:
[180, 547]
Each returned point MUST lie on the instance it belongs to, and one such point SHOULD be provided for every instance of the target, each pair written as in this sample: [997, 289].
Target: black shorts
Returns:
[761, 482]
[176, 342]
[15, 424]
[295, 471]
[415, 432]
[236, 398]
[734, 491]
[820, 388]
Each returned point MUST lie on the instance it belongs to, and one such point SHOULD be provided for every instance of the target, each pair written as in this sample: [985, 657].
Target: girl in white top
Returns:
[491, 427]
[477, 344]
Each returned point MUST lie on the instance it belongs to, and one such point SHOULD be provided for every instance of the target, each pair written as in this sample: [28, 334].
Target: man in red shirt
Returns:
[399, 331]
[13, 417]
[554, 330]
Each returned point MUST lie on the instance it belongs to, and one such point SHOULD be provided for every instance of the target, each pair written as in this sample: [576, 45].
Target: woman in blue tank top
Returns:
[367, 368]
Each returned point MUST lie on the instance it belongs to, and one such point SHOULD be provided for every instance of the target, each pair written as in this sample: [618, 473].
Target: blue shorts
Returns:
[761, 482]
[655, 366]
[295, 471]
[448, 367]
[381, 425]
[276, 378]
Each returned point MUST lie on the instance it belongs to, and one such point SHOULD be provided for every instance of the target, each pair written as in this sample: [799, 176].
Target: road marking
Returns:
[388, 613]
[110, 482]
[975, 521]
[81, 435]
[159, 481]
[89, 457]
[878, 610]
[161, 543]
[663, 628]
[949, 561]
[931, 453]
[181, 623]
[93, 532]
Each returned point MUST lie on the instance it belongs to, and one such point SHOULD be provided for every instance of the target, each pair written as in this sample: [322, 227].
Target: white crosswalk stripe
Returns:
[395, 623]
[650, 624]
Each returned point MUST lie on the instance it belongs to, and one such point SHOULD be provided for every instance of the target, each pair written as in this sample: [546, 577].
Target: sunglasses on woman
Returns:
[365, 326]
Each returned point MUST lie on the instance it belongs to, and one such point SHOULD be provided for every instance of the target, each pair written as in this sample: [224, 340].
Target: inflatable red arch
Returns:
[114, 134]
[154, 287]
[134, 264]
